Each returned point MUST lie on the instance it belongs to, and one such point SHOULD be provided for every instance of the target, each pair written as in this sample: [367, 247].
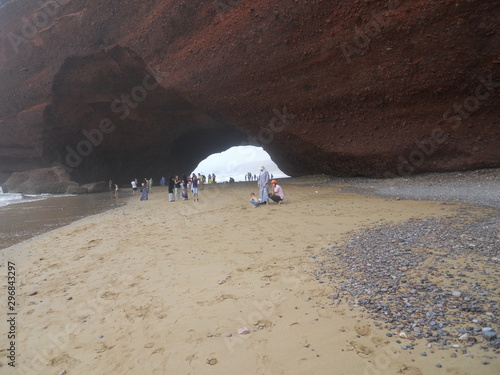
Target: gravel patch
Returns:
[480, 187]
[436, 279]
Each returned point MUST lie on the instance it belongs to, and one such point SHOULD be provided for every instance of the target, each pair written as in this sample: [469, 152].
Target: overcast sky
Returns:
[237, 161]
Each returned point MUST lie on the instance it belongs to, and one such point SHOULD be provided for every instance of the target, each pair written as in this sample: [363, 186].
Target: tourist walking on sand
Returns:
[150, 183]
[134, 186]
[184, 185]
[177, 187]
[144, 192]
[277, 195]
[171, 188]
[201, 185]
[194, 187]
[162, 181]
[116, 191]
[262, 183]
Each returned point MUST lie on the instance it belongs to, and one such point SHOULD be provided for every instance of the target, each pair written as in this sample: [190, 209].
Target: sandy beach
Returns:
[162, 287]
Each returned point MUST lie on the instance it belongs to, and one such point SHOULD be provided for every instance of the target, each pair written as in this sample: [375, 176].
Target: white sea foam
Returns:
[7, 199]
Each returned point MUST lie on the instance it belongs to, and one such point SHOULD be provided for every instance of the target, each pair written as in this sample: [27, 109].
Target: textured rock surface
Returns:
[96, 187]
[76, 189]
[339, 87]
[53, 180]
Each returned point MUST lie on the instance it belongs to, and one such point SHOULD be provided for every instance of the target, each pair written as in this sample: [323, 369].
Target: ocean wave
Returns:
[7, 199]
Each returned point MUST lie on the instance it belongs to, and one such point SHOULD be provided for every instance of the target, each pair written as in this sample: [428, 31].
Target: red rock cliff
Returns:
[378, 88]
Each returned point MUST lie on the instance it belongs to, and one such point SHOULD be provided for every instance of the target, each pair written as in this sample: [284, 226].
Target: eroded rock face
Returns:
[53, 180]
[144, 89]
[96, 187]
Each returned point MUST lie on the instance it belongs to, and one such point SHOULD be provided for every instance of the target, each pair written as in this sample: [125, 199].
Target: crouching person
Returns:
[278, 194]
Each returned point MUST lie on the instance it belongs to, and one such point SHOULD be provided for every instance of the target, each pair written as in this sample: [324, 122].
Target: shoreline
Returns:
[157, 287]
[23, 221]
[456, 187]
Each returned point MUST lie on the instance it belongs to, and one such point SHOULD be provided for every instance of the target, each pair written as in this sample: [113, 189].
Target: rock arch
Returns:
[109, 118]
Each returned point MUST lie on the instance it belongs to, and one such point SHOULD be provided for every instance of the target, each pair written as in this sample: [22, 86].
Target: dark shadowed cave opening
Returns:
[110, 119]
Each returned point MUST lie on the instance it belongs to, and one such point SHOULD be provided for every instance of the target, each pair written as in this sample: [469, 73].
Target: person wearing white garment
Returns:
[263, 180]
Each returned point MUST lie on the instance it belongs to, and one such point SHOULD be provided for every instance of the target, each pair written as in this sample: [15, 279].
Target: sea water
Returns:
[25, 216]
[14, 198]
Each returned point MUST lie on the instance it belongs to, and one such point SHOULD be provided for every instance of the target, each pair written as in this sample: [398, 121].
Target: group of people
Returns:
[252, 177]
[177, 187]
[180, 186]
[276, 195]
[146, 187]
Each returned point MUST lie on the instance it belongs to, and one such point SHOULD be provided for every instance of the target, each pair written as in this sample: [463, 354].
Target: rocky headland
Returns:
[364, 88]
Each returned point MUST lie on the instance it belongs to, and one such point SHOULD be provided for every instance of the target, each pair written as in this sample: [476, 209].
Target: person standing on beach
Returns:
[262, 183]
[184, 185]
[144, 192]
[150, 183]
[162, 181]
[177, 187]
[134, 186]
[171, 187]
[194, 187]
[277, 195]
[116, 191]
[200, 181]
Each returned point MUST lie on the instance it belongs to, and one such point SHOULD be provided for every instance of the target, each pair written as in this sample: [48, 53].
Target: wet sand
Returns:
[162, 287]
[21, 221]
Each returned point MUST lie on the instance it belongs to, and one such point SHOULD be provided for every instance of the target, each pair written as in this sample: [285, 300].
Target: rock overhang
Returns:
[345, 89]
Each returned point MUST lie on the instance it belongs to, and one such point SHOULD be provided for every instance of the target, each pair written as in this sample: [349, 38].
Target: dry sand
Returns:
[156, 287]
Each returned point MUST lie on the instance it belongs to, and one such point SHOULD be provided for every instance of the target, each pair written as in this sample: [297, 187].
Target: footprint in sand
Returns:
[63, 359]
[78, 257]
[362, 350]
[92, 243]
[409, 370]
[263, 324]
[273, 277]
[212, 361]
[109, 295]
[191, 358]
[380, 341]
[102, 347]
[159, 351]
[266, 367]
[362, 330]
